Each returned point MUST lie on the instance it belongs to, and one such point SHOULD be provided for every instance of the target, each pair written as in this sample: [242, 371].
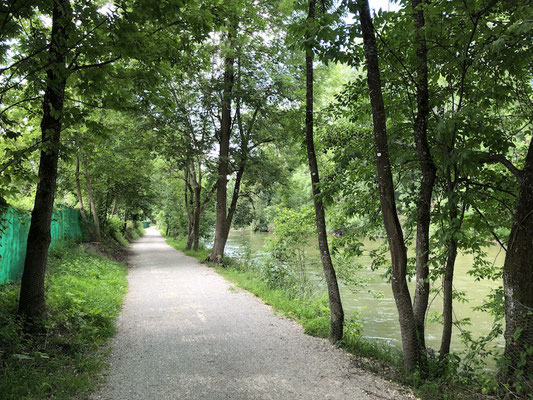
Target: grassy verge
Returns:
[180, 244]
[313, 315]
[84, 296]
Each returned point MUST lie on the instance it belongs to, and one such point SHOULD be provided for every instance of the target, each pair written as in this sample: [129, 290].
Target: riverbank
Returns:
[444, 380]
[374, 302]
[85, 290]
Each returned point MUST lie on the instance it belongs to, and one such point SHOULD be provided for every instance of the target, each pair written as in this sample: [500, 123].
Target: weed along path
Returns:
[187, 333]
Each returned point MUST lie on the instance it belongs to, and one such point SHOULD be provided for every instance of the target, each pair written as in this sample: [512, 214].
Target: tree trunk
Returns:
[335, 304]
[92, 202]
[189, 201]
[398, 251]
[518, 282]
[217, 253]
[125, 226]
[114, 206]
[235, 196]
[196, 197]
[447, 294]
[80, 199]
[190, 230]
[32, 302]
[427, 182]
[197, 214]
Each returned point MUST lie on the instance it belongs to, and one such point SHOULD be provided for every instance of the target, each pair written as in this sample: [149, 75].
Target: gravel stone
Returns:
[187, 333]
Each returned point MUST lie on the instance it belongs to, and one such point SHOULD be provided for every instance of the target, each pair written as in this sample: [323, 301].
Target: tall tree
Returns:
[398, 251]
[428, 170]
[518, 283]
[32, 301]
[253, 88]
[221, 227]
[335, 305]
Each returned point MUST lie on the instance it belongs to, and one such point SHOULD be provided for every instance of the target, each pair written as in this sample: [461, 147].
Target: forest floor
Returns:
[187, 333]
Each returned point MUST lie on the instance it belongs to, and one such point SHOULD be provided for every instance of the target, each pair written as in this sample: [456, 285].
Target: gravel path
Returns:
[187, 333]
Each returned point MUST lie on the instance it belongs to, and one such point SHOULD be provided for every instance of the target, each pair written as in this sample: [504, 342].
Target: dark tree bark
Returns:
[518, 280]
[114, 206]
[189, 205]
[455, 219]
[335, 304]
[80, 200]
[197, 193]
[32, 302]
[126, 216]
[217, 253]
[234, 199]
[197, 215]
[428, 170]
[194, 205]
[447, 293]
[92, 202]
[398, 251]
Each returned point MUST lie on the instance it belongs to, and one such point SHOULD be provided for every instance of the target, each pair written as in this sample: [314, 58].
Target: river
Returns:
[379, 314]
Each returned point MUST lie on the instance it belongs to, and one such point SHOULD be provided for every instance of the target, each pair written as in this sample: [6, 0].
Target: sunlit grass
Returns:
[180, 244]
[84, 296]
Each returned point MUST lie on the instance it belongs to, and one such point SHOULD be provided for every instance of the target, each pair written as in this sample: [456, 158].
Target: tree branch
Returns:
[87, 66]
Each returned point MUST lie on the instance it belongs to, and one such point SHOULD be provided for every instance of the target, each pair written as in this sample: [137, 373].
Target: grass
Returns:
[84, 295]
[180, 243]
[313, 315]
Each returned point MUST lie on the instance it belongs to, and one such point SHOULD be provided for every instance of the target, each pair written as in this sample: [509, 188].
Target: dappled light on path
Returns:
[186, 333]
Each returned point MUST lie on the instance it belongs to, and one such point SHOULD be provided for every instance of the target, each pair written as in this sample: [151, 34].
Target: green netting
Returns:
[14, 227]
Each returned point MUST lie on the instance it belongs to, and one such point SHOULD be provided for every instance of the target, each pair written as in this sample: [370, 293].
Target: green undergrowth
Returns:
[313, 314]
[180, 243]
[116, 230]
[84, 294]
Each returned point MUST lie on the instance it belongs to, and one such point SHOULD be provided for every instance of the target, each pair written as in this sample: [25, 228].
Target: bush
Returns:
[84, 296]
[114, 229]
[288, 260]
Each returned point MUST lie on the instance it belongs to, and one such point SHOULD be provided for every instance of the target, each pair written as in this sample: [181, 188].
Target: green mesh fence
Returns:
[14, 227]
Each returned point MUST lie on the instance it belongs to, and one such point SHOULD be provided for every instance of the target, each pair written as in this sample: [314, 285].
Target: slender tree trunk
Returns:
[189, 202]
[335, 304]
[32, 302]
[114, 206]
[196, 193]
[80, 199]
[518, 282]
[447, 294]
[190, 230]
[428, 170]
[217, 253]
[235, 196]
[125, 226]
[410, 344]
[197, 214]
[92, 202]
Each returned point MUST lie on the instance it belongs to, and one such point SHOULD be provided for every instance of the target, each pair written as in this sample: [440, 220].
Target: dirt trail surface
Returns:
[187, 333]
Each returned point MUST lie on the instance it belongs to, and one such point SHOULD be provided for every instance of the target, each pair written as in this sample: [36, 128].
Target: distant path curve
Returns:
[186, 333]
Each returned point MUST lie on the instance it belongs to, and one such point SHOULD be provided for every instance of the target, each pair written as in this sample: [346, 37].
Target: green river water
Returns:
[379, 315]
